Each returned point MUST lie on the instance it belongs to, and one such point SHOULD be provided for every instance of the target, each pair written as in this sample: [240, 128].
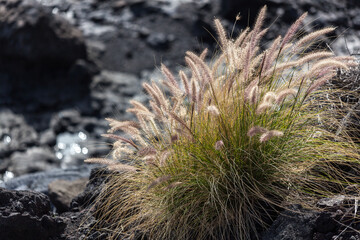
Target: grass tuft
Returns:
[219, 151]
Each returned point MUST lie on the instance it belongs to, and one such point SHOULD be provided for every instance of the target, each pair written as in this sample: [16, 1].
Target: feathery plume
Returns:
[221, 33]
[253, 94]
[263, 106]
[270, 54]
[249, 88]
[292, 30]
[284, 93]
[163, 157]
[256, 130]
[345, 59]
[247, 60]
[279, 68]
[259, 20]
[175, 91]
[269, 97]
[204, 67]
[134, 133]
[219, 145]
[169, 75]
[311, 37]
[152, 93]
[239, 40]
[194, 69]
[185, 82]
[321, 81]
[179, 120]
[254, 39]
[261, 35]
[217, 63]
[118, 138]
[104, 161]
[162, 99]
[147, 151]
[255, 62]
[116, 125]
[233, 57]
[139, 106]
[122, 167]
[150, 160]
[203, 54]
[119, 149]
[213, 110]
[270, 134]
[314, 56]
[327, 63]
[173, 185]
[158, 112]
[194, 92]
[138, 112]
[158, 181]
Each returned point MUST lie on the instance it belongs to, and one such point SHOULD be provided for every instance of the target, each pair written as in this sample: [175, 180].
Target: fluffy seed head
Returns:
[256, 130]
[270, 134]
[158, 181]
[263, 106]
[283, 94]
[219, 145]
[213, 110]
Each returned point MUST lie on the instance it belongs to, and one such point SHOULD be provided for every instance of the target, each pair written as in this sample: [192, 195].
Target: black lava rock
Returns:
[30, 33]
[26, 215]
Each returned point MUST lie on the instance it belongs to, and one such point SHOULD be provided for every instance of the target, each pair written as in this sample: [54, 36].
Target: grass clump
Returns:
[220, 149]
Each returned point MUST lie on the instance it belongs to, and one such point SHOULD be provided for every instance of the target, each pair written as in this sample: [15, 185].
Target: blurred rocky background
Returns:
[65, 65]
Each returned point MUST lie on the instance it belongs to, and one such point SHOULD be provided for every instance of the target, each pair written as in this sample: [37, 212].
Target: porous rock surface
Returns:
[26, 215]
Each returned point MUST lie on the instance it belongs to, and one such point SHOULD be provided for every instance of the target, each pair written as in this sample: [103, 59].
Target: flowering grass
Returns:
[219, 151]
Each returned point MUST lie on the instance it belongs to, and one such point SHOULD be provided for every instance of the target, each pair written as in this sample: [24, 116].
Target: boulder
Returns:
[15, 134]
[26, 215]
[40, 181]
[41, 52]
[61, 192]
[30, 33]
[294, 223]
[34, 159]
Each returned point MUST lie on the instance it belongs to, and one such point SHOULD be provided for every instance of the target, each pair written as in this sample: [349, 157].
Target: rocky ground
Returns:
[65, 65]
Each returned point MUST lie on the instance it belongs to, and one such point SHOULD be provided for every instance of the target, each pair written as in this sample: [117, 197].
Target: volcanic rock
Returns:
[26, 215]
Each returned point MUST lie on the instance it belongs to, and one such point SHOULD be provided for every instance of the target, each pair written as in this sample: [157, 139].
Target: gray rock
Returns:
[15, 134]
[40, 181]
[112, 91]
[43, 52]
[34, 159]
[159, 40]
[66, 120]
[295, 223]
[30, 32]
[48, 138]
[61, 192]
